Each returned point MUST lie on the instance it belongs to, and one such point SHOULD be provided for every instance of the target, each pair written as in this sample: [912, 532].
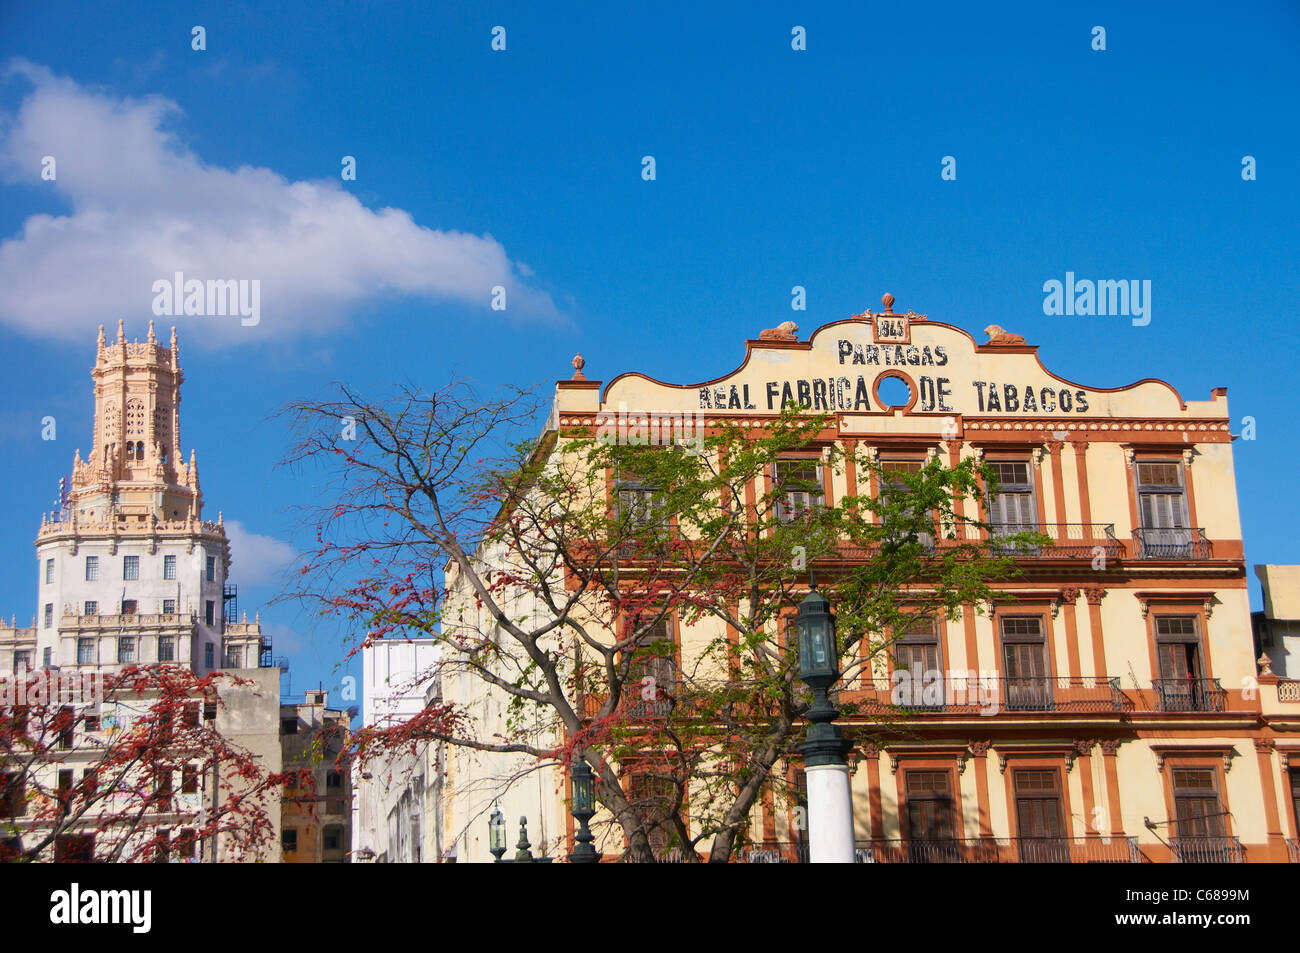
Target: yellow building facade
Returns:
[1112, 709]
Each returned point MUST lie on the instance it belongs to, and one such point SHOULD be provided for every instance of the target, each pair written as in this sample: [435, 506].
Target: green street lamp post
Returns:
[830, 797]
[497, 834]
[583, 809]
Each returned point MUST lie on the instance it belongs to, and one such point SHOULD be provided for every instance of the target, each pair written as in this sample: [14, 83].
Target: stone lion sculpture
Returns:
[998, 337]
[785, 331]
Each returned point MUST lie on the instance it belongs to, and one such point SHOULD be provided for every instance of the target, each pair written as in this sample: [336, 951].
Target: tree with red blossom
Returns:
[128, 766]
[566, 575]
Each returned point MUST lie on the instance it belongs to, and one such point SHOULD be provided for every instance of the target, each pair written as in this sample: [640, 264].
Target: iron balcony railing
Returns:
[1174, 543]
[973, 850]
[1189, 694]
[973, 694]
[776, 852]
[1065, 540]
[1001, 850]
[1208, 850]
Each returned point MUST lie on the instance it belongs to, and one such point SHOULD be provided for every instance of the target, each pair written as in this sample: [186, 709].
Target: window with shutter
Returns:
[1024, 664]
[1040, 816]
[1198, 816]
[798, 485]
[1013, 509]
[1162, 507]
[651, 798]
[1180, 685]
[931, 820]
[917, 652]
[895, 474]
[650, 689]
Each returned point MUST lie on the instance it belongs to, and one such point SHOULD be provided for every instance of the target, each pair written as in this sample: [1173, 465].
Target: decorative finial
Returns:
[153, 338]
[1265, 664]
[121, 331]
[578, 365]
[888, 301]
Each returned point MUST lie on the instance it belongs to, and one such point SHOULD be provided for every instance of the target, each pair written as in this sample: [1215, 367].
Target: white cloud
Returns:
[143, 206]
[256, 559]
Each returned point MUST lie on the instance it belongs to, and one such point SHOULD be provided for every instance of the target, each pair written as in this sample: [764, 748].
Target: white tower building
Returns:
[129, 571]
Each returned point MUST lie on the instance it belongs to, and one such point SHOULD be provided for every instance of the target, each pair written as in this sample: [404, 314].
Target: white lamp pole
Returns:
[830, 795]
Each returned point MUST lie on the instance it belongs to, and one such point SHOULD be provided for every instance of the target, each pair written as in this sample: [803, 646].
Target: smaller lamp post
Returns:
[497, 834]
[584, 808]
[830, 796]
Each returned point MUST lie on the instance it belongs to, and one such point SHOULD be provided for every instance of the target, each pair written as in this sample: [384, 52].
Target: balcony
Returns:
[974, 850]
[1208, 850]
[1001, 850]
[1175, 543]
[989, 695]
[633, 707]
[1066, 540]
[1189, 694]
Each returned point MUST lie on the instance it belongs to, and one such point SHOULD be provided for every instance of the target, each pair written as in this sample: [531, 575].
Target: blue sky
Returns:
[774, 168]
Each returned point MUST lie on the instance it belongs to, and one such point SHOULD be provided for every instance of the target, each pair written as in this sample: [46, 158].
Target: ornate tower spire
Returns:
[135, 460]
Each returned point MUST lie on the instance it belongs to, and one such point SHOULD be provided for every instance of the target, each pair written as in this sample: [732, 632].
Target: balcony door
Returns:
[1198, 817]
[1040, 816]
[1013, 509]
[931, 825]
[917, 653]
[1024, 664]
[1162, 505]
[896, 474]
[651, 683]
[1180, 686]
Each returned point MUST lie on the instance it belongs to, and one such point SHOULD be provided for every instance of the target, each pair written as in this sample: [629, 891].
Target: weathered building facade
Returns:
[1111, 708]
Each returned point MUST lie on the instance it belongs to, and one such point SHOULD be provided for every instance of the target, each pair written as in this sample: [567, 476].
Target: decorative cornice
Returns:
[1147, 599]
[1226, 751]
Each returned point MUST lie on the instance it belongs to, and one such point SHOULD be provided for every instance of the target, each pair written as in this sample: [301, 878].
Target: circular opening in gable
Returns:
[893, 391]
